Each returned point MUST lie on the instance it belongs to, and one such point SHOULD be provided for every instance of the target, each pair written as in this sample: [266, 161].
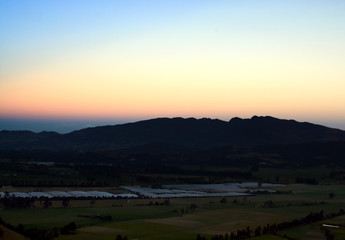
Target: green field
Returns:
[135, 219]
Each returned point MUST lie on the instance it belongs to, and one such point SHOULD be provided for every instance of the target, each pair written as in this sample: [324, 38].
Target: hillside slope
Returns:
[192, 133]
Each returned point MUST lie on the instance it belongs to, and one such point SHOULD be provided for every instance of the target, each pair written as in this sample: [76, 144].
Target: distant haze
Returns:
[58, 125]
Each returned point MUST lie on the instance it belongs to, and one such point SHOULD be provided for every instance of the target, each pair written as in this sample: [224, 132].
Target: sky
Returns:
[68, 64]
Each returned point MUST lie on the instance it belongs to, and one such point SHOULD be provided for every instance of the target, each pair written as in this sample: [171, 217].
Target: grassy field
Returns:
[11, 235]
[135, 219]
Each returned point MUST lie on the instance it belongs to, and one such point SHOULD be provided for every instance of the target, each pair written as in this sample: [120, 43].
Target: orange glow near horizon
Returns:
[61, 92]
[180, 63]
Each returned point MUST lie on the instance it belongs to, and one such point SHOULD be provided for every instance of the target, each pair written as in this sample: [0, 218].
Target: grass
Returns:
[58, 217]
[167, 222]
[11, 235]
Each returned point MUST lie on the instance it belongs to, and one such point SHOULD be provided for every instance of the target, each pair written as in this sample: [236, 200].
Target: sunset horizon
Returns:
[118, 61]
[64, 125]
[181, 119]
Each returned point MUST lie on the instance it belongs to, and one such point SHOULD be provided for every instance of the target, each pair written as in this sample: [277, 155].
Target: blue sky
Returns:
[99, 60]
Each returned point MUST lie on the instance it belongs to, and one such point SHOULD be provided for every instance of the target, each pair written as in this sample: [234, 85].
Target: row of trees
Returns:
[273, 229]
[14, 202]
[166, 202]
[28, 202]
[20, 202]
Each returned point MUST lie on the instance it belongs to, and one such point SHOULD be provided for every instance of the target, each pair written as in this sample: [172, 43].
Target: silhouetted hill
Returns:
[175, 133]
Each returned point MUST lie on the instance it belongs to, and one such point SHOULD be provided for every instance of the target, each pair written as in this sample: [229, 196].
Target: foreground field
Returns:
[185, 218]
[10, 235]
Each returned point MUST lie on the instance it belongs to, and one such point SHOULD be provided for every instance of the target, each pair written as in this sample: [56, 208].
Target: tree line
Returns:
[274, 228]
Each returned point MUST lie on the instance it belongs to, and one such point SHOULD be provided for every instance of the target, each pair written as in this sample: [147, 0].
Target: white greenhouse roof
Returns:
[40, 194]
[80, 194]
[101, 194]
[60, 194]
[19, 194]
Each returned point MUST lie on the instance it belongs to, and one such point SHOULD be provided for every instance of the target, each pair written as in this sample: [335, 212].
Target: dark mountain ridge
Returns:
[188, 133]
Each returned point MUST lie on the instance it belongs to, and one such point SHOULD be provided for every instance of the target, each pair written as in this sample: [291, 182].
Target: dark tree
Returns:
[69, 228]
[193, 206]
[119, 237]
[20, 228]
[257, 231]
[65, 202]
[331, 195]
[47, 203]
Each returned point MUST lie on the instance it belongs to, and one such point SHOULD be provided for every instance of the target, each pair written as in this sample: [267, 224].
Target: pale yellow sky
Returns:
[219, 60]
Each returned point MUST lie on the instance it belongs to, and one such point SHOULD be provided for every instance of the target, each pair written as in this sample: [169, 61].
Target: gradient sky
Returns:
[139, 59]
